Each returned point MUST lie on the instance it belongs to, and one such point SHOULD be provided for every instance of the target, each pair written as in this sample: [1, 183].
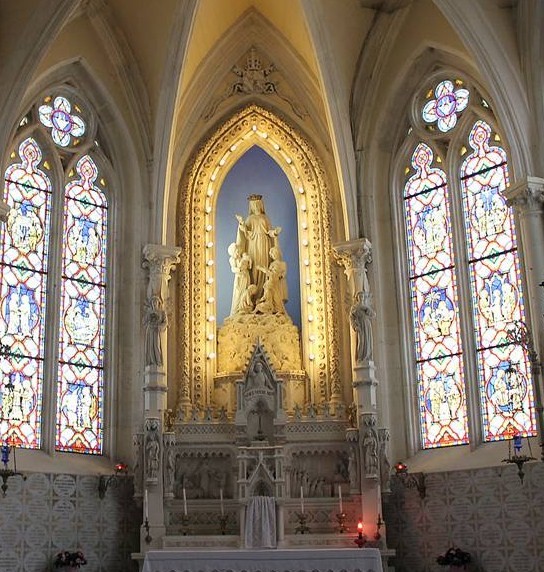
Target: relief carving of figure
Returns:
[155, 321]
[258, 379]
[361, 314]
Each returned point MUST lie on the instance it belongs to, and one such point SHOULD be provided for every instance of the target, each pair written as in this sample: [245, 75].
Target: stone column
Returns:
[160, 260]
[527, 199]
[354, 257]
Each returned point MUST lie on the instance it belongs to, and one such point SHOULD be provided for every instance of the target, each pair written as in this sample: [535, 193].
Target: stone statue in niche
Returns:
[255, 238]
[370, 447]
[259, 295]
[385, 463]
[152, 451]
[137, 466]
[170, 470]
[155, 321]
[361, 314]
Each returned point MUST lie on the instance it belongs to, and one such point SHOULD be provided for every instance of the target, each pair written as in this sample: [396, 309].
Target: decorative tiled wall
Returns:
[45, 514]
[487, 512]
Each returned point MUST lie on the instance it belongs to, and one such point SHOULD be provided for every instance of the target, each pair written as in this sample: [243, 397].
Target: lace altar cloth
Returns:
[261, 522]
[284, 560]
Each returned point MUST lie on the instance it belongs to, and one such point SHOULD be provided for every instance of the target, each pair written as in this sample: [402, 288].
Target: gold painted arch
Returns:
[197, 359]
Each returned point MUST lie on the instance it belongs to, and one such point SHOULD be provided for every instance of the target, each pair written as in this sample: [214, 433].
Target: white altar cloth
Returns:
[284, 560]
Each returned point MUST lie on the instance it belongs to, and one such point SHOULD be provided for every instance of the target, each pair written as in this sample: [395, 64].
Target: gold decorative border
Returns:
[196, 235]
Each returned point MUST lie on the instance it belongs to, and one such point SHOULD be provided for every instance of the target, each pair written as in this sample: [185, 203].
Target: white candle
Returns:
[221, 499]
[146, 506]
[340, 498]
[302, 500]
[184, 502]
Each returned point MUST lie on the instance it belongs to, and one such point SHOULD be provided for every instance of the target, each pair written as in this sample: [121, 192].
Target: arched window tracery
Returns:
[53, 262]
[464, 273]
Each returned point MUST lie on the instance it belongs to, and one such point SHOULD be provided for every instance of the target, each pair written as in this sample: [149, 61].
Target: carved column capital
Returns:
[160, 259]
[526, 196]
[354, 256]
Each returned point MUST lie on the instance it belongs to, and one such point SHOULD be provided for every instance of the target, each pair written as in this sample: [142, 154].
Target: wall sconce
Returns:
[120, 469]
[516, 458]
[519, 334]
[5, 472]
[410, 480]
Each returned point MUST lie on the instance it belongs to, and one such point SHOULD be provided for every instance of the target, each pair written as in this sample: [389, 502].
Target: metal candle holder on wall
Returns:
[516, 458]
[411, 480]
[120, 469]
[5, 472]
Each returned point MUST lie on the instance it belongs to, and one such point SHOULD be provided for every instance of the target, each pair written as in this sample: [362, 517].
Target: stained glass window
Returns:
[24, 265]
[446, 106]
[40, 201]
[506, 390]
[451, 330]
[79, 415]
[434, 304]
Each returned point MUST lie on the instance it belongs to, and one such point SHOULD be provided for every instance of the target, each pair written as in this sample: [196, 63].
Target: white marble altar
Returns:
[299, 560]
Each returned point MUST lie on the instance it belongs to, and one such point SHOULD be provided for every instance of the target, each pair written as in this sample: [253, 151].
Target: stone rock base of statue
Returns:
[276, 332]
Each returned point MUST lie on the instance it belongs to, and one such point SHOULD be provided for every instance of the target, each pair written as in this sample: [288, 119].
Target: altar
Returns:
[296, 560]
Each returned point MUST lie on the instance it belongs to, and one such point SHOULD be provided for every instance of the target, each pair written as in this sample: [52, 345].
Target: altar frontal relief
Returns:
[259, 294]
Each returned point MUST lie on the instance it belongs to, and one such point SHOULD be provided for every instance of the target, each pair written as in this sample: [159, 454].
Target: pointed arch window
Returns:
[464, 274]
[53, 265]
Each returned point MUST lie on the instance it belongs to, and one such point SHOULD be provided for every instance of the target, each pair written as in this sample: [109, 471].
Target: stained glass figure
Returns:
[448, 104]
[23, 267]
[63, 124]
[504, 375]
[80, 387]
[434, 304]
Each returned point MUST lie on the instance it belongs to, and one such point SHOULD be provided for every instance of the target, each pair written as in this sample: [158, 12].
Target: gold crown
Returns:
[254, 197]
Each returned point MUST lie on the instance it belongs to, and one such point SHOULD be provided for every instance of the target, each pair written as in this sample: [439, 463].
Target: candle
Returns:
[302, 500]
[146, 506]
[340, 498]
[184, 502]
[221, 499]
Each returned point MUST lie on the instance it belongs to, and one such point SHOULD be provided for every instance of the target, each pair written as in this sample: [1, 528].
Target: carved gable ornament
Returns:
[260, 392]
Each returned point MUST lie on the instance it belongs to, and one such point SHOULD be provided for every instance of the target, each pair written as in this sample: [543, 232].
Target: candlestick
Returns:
[301, 500]
[340, 498]
[221, 499]
[146, 506]
[184, 502]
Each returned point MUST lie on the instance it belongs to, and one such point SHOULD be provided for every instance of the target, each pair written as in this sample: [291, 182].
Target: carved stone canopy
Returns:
[259, 407]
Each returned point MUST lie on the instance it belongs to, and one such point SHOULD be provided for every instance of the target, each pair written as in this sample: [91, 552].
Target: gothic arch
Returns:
[196, 217]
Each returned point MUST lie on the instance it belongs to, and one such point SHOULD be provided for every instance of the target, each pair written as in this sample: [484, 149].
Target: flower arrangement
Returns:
[454, 557]
[74, 559]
